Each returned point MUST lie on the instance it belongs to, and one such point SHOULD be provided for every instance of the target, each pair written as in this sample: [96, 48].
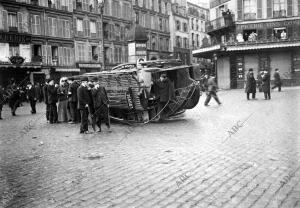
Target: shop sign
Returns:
[14, 38]
[87, 65]
[17, 60]
[269, 24]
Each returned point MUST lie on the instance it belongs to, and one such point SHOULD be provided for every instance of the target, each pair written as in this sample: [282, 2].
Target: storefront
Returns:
[89, 67]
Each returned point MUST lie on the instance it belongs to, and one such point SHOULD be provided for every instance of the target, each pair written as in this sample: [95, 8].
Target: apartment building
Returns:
[257, 34]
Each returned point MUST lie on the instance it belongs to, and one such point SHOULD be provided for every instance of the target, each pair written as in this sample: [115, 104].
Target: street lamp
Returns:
[215, 57]
[101, 4]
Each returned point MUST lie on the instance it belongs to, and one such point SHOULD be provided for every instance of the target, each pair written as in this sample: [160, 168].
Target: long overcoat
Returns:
[250, 84]
[266, 83]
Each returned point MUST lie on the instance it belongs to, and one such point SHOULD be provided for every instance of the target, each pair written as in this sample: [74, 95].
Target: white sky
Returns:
[200, 2]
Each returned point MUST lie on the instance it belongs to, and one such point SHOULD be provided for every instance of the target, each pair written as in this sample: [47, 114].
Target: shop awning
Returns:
[207, 49]
[261, 46]
[6, 66]
[67, 70]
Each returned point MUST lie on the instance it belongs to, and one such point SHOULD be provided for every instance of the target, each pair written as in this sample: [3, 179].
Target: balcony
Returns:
[279, 13]
[227, 20]
[249, 16]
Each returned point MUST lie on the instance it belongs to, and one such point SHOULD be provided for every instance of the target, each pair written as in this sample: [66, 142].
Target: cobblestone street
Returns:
[241, 154]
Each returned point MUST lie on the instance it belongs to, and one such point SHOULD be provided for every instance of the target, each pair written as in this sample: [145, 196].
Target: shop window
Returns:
[37, 53]
[280, 33]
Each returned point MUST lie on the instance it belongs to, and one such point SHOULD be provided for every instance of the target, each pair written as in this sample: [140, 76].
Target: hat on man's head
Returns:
[95, 79]
[71, 78]
[163, 75]
[250, 70]
[84, 79]
[47, 80]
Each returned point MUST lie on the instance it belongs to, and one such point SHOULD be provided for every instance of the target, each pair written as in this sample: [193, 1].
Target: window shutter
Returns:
[44, 54]
[84, 28]
[25, 23]
[58, 4]
[49, 54]
[88, 28]
[20, 26]
[72, 61]
[70, 5]
[298, 7]
[269, 8]
[60, 56]
[1, 19]
[90, 53]
[290, 31]
[240, 9]
[98, 25]
[45, 3]
[289, 7]
[5, 20]
[76, 51]
[55, 25]
[38, 24]
[259, 9]
[75, 26]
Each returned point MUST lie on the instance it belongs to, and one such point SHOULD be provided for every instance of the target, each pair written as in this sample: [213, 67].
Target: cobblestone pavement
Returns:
[241, 154]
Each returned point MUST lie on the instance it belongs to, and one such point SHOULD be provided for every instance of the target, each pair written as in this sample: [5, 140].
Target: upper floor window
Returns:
[166, 7]
[24, 1]
[159, 6]
[184, 27]
[12, 20]
[93, 27]
[79, 25]
[177, 24]
[36, 24]
[249, 9]
[279, 8]
[192, 23]
[116, 9]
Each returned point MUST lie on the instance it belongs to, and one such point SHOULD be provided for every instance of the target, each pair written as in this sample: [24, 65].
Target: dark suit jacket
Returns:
[99, 97]
[250, 84]
[52, 94]
[266, 83]
[165, 90]
[73, 90]
[211, 85]
[1, 97]
[83, 97]
[32, 94]
[45, 93]
[277, 79]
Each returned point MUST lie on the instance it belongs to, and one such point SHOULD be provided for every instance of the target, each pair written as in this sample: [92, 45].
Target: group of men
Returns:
[84, 99]
[263, 83]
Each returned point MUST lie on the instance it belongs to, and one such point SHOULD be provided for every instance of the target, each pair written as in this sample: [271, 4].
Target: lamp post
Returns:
[215, 57]
[101, 4]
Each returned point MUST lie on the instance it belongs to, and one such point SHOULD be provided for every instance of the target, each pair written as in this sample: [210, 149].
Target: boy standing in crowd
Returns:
[32, 97]
[72, 96]
[52, 100]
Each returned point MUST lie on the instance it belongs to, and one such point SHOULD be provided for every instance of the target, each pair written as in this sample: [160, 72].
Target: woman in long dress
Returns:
[62, 92]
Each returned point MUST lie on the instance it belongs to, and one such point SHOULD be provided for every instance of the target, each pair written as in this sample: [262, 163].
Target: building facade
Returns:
[153, 15]
[198, 18]
[257, 34]
[179, 27]
[40, 32]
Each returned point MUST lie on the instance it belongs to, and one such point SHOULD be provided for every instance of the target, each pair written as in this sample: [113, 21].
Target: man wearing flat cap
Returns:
[31, 96]
[72, 99]
[101, 104]
[84, 100]
[165, 89]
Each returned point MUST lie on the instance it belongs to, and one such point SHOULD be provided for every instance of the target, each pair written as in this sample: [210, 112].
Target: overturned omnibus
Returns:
[132, 96]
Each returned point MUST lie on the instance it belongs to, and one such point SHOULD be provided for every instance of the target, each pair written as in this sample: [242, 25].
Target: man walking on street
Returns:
[277, 80]
[101, 105]
[83, 103]
[72, 97]
[45, 93]
[212, 91]
[13, 97]
[32, 97]
[52, 100]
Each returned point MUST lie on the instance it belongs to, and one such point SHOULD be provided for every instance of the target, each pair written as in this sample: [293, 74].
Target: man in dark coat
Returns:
[45, 94]
[32, 97]
[211, 91]
[250, 84]
[101, 104]
[52, 100]
[277, 80]
[2, 100]
[13, 97]
[165, 89]
[266, 85]
[259, 81]
[84, 100]
[72, 98]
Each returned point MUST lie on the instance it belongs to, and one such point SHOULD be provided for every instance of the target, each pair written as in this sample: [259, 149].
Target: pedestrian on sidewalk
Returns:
[45, 94]
[32, 96]
[250, 84]
[13, 96]
[62, 93]
[52, 99]
[72, 99]
[277, 80]
[84, 101]
[2, 100]
[259, 81]
[211, 90]
[266, 85]
[101, 104]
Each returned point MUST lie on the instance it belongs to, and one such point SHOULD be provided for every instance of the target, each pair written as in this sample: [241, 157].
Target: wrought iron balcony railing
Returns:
[227, 20]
